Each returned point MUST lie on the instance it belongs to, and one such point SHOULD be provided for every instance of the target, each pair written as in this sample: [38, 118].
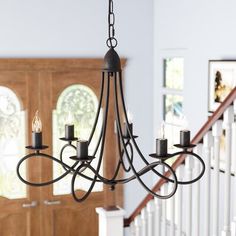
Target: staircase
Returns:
[208, 207]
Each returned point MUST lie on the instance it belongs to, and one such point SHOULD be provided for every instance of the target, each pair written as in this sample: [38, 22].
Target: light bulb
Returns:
[161, 130]
[185, 123]
[36, 123]
[70, 118]
[130, 117]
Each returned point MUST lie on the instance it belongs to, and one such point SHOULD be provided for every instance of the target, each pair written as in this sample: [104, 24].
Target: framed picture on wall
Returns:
[222, 79]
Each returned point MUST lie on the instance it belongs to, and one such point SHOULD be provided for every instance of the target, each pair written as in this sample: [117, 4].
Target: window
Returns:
[82, 103]
[12, 144]
[173, 97]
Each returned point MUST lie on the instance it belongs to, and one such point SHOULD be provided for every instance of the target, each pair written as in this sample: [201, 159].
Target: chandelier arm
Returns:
[131, 164]
[121, 153]
[131, 157]
[126, 120]
[99, 141]
[73, 191]
[144, 159]
[118, 181]
[98, 110]
[85, 196]
[190, 181]
[70, 169]
[61, 153]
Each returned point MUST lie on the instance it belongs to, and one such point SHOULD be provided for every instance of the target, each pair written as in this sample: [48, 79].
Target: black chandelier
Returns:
[126, 141]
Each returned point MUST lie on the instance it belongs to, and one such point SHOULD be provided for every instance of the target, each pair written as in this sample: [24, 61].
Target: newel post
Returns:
[111, 222]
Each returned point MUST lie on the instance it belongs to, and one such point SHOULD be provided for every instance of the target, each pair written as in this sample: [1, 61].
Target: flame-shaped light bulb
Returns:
[37, 123]
[130, 117]
[70, 118]
[161, 141]
[161, 130]
[185, 123]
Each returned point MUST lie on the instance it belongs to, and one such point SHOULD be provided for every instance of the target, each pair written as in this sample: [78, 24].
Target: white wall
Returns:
[78, 28]
[199, 30]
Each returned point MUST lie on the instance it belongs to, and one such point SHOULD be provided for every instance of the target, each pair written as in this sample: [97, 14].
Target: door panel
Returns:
[72, 224]
[69, 211]
[14, 218]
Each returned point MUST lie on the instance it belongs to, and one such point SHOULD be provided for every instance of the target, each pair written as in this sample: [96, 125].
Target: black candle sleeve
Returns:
[37, 139]
[185, 138]
[82, 149]
[161, 147]
[126, 131]
[69, 131]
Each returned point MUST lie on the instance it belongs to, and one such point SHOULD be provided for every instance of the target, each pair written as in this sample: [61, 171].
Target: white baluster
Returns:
[207, 145]
[216, 132]
[132, 229]
[164, 210]
[233, 226]
[179, 200]
[234, 104]
[233, 148]
[228, 120]
[138, 225]
[189, 165]
[158, 210]
[150, 210]
[144, 221]
[196, 205]
[172, 212]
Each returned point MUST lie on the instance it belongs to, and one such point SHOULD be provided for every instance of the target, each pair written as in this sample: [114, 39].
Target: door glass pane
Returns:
[12, 144]
[174, 73]
[81, 103]
[173, 109]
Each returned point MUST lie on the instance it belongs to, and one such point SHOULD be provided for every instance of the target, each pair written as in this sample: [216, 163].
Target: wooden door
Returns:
[19, 204]
[61, 215]
[38, 84]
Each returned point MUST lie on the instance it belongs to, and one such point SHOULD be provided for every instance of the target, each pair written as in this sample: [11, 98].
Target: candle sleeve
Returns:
[161, 147]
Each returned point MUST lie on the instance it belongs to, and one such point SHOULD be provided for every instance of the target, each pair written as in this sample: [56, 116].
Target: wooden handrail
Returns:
[197, 138]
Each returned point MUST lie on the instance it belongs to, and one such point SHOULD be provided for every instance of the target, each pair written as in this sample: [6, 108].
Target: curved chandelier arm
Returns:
[144, 159]
[61, 153]
[130, 163]
[69, 169]
[189, 181]
[94, 180]
[98, 110]
[126, 120]
[99, 142]
[131, 157]
[122, 153]
[143, 171]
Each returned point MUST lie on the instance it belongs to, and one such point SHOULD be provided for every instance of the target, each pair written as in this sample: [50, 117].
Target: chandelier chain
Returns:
[111, 41]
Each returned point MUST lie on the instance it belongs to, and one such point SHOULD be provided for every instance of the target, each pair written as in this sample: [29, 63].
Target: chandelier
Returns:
[128, 149]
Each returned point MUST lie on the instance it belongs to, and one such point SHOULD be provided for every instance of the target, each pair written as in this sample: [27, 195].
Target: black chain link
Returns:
[111, 41]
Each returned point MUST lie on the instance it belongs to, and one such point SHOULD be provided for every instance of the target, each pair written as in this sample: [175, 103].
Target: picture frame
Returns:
[222, 79]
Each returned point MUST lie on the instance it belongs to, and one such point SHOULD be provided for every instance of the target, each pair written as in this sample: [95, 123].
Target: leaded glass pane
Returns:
[12, 142]
[81, 103]
[174, 73]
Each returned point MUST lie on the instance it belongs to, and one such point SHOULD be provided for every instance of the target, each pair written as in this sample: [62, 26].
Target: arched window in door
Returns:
[12, 143]
[81, 102]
